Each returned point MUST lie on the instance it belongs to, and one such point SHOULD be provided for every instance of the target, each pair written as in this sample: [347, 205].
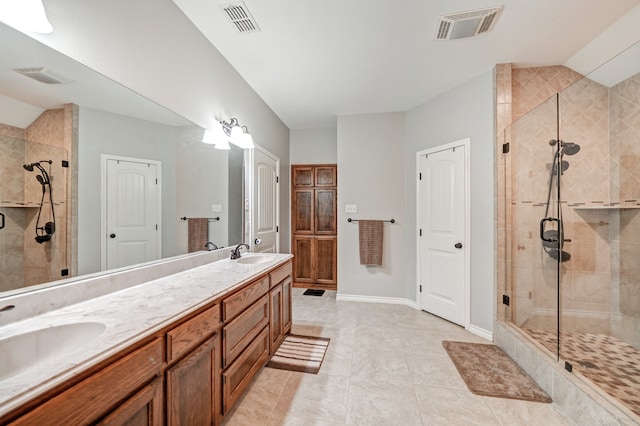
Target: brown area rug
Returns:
[300, 353]
[488, 371]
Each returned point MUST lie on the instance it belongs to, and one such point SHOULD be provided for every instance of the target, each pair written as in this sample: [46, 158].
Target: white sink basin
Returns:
[252, 260]
[27, 350]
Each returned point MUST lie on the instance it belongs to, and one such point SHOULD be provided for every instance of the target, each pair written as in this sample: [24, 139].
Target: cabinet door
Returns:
[276, 329]
[325, 252]
[302, 176]
[326, 175]
[286, 306]
[145, 408]
[193, 386]
[303, 202]
[303, 259]
[325, 212]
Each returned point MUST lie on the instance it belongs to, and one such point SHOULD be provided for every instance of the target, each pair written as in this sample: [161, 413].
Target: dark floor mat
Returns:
[313, 292]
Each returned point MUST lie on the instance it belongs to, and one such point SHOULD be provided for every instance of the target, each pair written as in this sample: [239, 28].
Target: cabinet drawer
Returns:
[188, 335]
[239, 374]
[239, 333]
[99, 394]
[238, 302]
[280, 274]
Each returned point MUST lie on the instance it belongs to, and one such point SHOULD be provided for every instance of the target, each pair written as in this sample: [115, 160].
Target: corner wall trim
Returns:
[485, 334]
[374, 299]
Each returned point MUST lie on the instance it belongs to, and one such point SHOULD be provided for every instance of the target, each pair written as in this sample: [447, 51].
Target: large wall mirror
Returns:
[54, 138]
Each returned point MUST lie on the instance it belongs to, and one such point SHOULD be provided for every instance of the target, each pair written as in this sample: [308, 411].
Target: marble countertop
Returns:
[128, 316]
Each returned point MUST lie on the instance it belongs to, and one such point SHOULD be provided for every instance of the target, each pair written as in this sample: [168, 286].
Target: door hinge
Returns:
[505, 299]
[505, 148]
[420, 288]
[277, 229]
[64, 272]
[277, 179]
[421, 232]
[420, 174]
[156, 181]
[156, 226]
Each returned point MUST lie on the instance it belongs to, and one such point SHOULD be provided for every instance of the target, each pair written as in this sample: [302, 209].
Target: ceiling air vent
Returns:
[466, 24]
[240, 17]
[43, 75]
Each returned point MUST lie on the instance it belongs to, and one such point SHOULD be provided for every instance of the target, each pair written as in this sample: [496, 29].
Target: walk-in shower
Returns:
[44, 231]
[573, 226]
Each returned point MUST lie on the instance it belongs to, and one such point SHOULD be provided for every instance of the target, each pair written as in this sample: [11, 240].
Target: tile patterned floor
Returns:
[385, 366]
[609, 362]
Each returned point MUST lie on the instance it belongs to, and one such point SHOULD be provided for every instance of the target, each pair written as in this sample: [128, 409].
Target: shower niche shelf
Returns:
[603, 207]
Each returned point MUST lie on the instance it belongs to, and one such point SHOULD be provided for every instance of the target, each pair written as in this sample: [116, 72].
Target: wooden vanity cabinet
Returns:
[193, 376]
[129, 391]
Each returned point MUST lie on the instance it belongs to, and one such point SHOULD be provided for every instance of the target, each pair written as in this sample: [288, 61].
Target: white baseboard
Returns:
[485, 334]
[372, 299]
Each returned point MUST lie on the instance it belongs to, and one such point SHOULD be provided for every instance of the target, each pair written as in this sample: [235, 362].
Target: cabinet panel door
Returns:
[325, 212]
[303, 211]
[193, 387]
[325, 260]
[145, 408]
[276, 329]
[326, 175]
[286, 306]
[302, 176]
[303, 259]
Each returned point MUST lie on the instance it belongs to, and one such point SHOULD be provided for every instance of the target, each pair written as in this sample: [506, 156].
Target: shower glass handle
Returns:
[1, 220]
[542, 224]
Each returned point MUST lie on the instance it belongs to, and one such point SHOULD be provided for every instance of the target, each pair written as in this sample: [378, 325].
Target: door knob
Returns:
[257, 241]
[458, 245]
[112, 236]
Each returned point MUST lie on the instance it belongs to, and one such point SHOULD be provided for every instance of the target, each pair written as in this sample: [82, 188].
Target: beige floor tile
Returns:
[381, 365]
[441, 406]
[318, 397]
[382, 403]
[301, 421]
[515, 412]
[434, 370]
[377, 338]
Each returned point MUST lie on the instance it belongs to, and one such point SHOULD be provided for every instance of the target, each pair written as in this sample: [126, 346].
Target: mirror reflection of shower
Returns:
[553, 239]
[43, 232]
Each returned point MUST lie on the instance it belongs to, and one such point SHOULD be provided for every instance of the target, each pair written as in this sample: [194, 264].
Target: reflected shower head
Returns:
[28, 167]
[570, 148]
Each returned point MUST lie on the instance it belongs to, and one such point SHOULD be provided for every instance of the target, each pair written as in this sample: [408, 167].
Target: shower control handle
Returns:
[458, 245]
[542, 223]
[112, 235]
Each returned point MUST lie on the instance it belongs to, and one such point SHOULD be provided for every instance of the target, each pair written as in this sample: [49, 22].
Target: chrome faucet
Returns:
[210, 246]
[235, 253]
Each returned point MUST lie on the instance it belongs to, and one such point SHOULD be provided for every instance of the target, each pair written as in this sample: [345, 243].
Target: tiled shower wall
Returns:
[25, 262]
[599, 291]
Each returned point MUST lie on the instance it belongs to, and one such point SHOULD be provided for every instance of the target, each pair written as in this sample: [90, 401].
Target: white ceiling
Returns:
[315, 60]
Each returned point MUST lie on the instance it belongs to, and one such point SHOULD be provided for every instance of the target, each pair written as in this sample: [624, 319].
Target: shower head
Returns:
[28, 167]
[570, 148]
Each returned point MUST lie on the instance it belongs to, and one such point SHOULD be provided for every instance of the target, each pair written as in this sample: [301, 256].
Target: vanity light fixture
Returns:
[25, 15]
[238, 135]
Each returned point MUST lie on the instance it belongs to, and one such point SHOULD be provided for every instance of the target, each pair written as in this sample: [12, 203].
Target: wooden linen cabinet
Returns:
[314, 225]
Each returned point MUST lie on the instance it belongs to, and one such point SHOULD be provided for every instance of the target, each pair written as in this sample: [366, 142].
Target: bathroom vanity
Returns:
[175, 350]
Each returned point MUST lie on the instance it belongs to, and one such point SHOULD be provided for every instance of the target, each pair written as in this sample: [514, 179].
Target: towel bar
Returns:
[355, 220]
[210, 218]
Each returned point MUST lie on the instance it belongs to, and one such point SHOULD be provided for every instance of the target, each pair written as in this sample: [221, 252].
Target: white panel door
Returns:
[442, 246]
[264, 205]
[132, 213]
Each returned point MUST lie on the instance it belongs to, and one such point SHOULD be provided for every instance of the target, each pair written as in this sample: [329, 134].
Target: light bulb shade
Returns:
[25, 15]
[222, 144]
[247, 141]
[236, 134]
[209, 137]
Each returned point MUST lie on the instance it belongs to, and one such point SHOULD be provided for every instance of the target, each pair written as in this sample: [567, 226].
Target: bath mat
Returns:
[313, 292]
[300, 353]
[488, 371]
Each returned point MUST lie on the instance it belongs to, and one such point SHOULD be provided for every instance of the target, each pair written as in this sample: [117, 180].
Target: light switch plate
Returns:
[351, 208]
[216, 208]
